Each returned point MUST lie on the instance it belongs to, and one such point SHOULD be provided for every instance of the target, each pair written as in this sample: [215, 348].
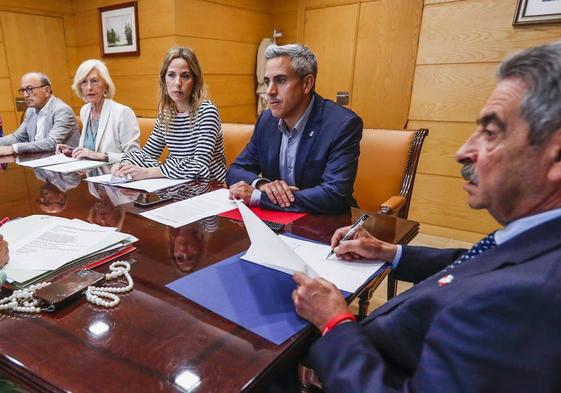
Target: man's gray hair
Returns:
[540, 69]
[302, 58]
[43, 78]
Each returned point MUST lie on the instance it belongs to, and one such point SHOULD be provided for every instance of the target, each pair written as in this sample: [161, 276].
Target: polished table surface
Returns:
[154, 338]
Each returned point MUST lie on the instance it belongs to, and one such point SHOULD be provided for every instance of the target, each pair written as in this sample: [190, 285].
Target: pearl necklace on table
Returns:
[22, 300]
[96, 295]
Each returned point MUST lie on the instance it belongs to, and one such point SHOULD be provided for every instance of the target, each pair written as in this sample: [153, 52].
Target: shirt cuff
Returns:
[397, 257]
[255, 198]
[259, 180]
[15, 147]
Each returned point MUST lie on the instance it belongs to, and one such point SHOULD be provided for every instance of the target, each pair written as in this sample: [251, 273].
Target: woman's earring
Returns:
[105, 93]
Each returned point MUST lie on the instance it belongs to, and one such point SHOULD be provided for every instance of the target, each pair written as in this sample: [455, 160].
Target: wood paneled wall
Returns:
[224, 34]
[461, 43]
[10, 78]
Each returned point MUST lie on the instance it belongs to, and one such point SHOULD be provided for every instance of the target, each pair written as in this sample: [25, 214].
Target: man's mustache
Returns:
[468, 173]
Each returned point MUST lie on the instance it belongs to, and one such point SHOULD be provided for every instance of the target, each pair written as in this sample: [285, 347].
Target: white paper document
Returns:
[46, 161]
[75, 166]
[289, 255]
[39, 244]
[149, 185]
[193, 209]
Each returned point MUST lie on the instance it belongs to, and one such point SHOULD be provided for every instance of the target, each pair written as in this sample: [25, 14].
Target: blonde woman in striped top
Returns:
[188, 124]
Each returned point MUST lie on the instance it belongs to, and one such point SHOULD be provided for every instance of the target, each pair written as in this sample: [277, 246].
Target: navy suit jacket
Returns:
[495, 328]
[326, 161]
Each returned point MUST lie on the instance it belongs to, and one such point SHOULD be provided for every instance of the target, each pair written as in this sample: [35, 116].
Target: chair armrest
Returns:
[392, 205]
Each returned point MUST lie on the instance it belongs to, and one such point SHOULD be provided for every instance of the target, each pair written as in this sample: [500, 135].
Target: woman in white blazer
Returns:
[109, 129]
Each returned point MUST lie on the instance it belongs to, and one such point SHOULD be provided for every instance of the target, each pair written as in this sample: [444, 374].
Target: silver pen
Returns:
[358, 223]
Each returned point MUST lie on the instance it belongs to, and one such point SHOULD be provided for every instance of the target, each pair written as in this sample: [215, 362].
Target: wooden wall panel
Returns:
[138, 93]
[328, 29]
[6, 95]
[223, 57]
[439, 1]
[4, 72]
[461, 44]
[238, 114]
[230, 90]
[439, 149]
[9, 121]
[147, 64]
[451, 233]
[441, 201]
[476, 31]
[451, 92]
[253, 5]
[285, 19]
[221, 22]
[311, 4]
[157, 18]
[225, 38]
[38, 7]
[385, 62]
[47, 54]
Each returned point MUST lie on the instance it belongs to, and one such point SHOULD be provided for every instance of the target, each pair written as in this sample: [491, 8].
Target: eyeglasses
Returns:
[29, 89]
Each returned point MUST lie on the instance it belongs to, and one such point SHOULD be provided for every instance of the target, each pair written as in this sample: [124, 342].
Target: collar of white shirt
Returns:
[40, 133]
[516, 227]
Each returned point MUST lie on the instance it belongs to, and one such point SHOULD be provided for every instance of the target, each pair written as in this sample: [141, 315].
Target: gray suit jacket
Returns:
[61, 126]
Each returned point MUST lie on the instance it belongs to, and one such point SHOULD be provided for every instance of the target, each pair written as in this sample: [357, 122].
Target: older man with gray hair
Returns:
[47, 121]
[303, 155]
[480, 320]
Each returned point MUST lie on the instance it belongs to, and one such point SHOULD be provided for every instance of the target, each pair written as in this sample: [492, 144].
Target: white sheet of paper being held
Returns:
[268, 249]
[289, 254]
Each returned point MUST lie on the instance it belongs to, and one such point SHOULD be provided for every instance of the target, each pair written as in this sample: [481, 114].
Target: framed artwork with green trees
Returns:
[118, 30]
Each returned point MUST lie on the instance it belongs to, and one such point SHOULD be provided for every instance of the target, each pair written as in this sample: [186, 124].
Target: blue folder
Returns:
[253, 296]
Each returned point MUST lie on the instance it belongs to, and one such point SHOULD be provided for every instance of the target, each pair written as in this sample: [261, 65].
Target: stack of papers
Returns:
[43, 245]
[62, 164]
[149, 185]
[193, 209]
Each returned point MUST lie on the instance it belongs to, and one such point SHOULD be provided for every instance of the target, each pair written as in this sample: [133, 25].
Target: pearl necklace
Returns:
[22, 300]
[106, 296]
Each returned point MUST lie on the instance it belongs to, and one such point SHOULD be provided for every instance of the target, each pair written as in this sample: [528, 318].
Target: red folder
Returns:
[266, 215]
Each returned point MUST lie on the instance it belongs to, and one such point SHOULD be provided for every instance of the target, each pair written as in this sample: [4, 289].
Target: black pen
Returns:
[361, 220]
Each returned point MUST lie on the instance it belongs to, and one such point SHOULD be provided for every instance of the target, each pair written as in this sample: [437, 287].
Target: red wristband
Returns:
[336, 320]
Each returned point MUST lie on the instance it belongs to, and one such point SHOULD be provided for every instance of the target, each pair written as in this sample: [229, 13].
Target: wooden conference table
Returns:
[155, 340]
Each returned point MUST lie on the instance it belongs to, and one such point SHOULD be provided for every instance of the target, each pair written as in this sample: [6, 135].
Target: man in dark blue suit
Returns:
[483, 321]
[303, 155]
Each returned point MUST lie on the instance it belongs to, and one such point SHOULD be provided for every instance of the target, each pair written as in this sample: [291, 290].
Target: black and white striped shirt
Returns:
[196, 151]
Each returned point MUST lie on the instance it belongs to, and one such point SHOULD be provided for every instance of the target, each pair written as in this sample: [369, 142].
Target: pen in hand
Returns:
[358, 223]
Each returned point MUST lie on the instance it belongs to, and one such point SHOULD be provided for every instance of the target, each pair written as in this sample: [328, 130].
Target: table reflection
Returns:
[52, 194]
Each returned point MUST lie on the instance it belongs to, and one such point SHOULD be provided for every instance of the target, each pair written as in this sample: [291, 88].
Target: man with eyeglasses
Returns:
[303, 154]
[47, 121]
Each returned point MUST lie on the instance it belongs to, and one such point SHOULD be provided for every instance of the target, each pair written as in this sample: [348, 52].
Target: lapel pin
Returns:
[311, 133]
[447, 279]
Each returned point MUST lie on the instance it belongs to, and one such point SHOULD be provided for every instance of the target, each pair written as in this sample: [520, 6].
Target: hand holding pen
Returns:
[353, 229]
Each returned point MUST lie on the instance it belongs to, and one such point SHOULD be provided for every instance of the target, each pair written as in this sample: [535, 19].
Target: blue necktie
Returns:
[480, 247]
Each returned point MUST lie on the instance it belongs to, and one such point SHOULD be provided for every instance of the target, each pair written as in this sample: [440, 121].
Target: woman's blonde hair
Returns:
[85, 68]
[166, 107]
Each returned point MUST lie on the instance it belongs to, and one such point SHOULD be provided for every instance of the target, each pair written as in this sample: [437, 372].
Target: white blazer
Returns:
[118, 130]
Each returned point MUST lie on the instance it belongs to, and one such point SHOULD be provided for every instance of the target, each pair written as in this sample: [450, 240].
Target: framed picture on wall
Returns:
[118, 30]
[537, 11]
